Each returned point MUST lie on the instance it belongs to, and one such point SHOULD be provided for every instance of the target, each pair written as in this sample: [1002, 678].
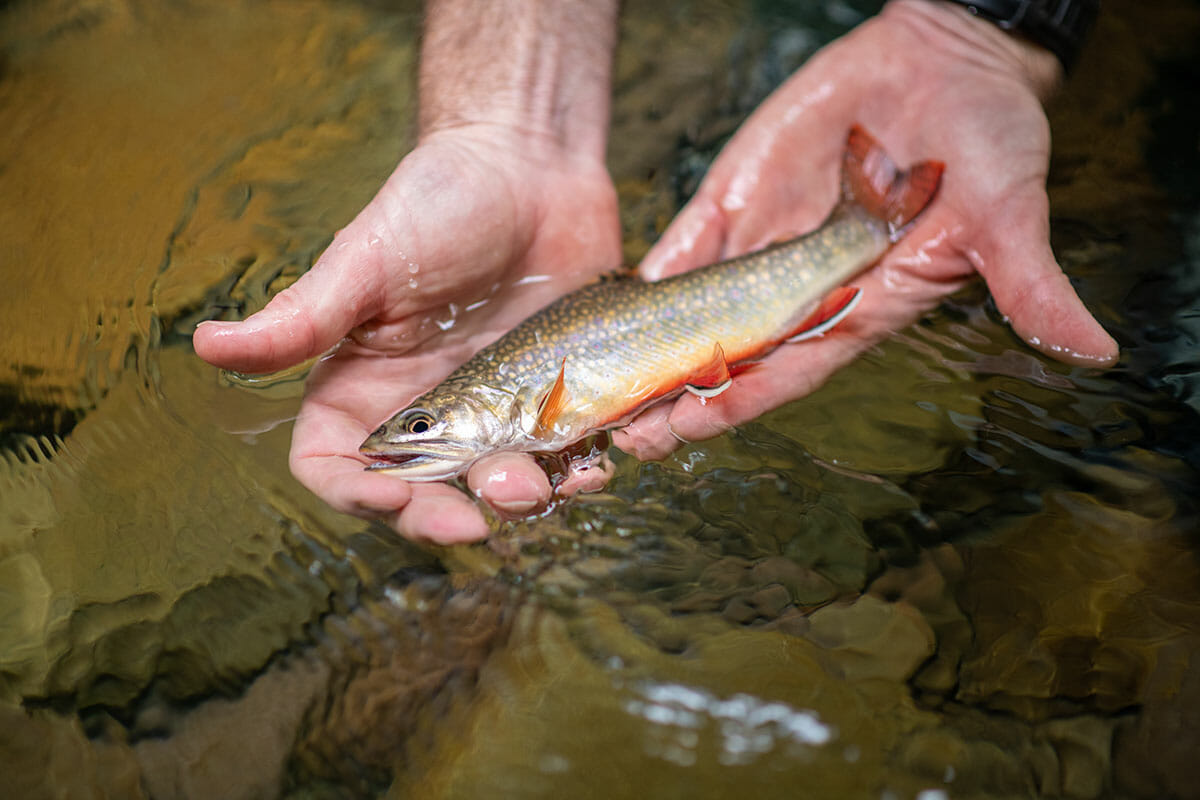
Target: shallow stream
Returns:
[960, 569]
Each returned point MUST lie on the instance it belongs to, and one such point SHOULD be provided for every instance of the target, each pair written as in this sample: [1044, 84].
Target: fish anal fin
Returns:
[553, 402]
[832, 310]
[712, 378]
[744, 367]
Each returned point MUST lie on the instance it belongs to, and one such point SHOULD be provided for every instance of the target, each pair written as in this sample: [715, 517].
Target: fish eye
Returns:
[419, 423]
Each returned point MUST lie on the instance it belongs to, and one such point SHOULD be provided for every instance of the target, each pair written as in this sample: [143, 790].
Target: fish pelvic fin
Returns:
[831, 311]
[713, 378]
[553, 402]
[871, 180]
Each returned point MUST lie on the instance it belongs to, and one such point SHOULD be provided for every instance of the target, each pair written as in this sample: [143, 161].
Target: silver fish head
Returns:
[438, 437]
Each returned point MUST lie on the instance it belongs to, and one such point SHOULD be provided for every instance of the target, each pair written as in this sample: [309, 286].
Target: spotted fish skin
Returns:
[595, 357]
[627, 341]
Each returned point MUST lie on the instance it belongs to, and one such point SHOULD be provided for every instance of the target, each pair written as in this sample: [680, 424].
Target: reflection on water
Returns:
[958, 570]
[747, 726]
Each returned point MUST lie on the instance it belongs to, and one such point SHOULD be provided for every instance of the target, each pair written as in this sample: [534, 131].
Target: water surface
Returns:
[958, 570]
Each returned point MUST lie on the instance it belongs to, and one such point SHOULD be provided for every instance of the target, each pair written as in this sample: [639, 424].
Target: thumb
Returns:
[344, 288]
[1031, 290]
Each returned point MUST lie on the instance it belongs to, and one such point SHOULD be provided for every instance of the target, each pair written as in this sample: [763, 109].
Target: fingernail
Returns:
[513, 492]
[217, 324]
[519, 495]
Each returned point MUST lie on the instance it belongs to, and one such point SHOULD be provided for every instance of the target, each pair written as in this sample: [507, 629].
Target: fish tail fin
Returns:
[872, 181]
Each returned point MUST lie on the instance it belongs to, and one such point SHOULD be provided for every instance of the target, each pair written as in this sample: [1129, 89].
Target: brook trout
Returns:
[594, 358]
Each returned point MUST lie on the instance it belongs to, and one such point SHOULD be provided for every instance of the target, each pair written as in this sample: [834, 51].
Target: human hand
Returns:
[928, 81]
[477, 228]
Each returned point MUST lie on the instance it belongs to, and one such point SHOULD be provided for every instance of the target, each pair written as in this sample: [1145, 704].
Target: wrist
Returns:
[978, 40]
[1060, 26]
[536, 72]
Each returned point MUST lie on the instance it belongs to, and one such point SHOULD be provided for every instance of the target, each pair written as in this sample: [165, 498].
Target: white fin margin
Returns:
[829, 324]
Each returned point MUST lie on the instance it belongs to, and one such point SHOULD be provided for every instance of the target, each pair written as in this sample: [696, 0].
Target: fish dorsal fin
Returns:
[832, 310]
[553, 402]
[713, 378]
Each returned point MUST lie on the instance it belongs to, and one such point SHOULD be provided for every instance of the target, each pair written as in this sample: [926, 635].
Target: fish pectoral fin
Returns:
[832, 310]
[553, 402]
[713, 378]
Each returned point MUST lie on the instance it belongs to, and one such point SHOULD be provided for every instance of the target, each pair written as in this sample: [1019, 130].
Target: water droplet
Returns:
[412, 283]
[448, 322]
[413, 268]
[528, 279]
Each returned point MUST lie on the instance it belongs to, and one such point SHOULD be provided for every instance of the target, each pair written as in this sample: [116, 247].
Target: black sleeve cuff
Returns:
[1058, 25]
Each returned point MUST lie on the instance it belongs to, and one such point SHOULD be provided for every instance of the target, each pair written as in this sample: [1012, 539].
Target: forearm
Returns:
[538, 68]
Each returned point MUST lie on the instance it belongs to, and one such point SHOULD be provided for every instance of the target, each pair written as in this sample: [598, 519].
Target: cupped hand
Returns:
[929, 82]
[476, 229]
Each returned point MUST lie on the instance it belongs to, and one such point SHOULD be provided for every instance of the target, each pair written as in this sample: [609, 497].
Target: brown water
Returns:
[983, 582]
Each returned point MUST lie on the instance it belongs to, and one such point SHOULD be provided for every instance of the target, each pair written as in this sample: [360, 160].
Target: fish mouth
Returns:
[417, 466]
[385, 461]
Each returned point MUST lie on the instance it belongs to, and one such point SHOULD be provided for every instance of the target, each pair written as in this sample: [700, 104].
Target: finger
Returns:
[323, 437]
[649, 436]
[323, 456]
[347, 487]
[442, 514]
[343, 289]
[587, 476]
[1031, 290]
[510, 482]
[324, 464]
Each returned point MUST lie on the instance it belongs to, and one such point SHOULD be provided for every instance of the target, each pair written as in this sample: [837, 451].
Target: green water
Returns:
[958, 570]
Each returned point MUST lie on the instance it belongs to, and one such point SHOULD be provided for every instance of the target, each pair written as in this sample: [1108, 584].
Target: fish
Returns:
[598, 356]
